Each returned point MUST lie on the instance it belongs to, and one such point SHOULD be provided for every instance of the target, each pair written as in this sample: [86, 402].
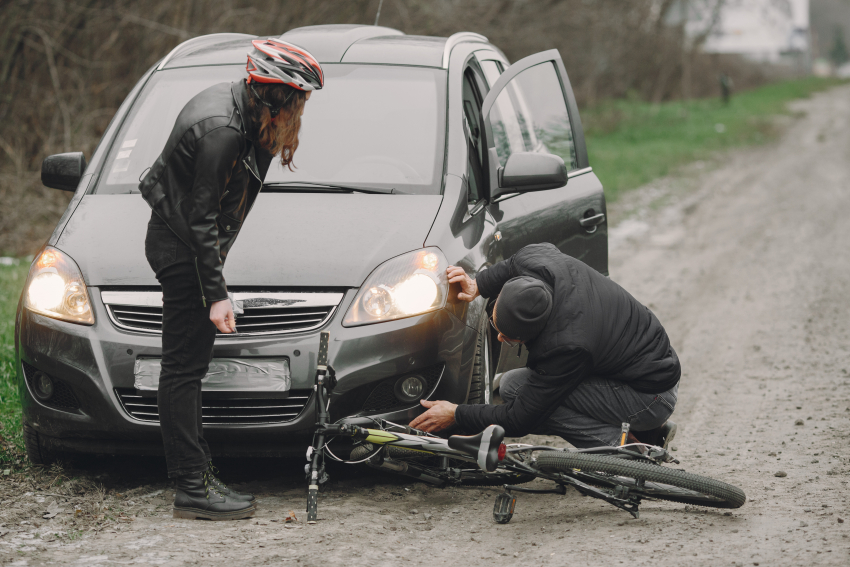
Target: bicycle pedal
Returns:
[503, 510]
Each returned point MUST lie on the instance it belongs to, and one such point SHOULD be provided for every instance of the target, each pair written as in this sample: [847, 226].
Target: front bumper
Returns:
[97, 361]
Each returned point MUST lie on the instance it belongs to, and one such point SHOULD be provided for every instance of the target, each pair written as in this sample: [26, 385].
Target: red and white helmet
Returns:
[277, 62]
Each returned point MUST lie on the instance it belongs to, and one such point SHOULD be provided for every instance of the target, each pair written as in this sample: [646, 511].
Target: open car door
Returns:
[529, 117]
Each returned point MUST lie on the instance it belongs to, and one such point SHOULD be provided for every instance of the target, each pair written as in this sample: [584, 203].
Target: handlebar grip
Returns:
[312, 504]
[324, 338]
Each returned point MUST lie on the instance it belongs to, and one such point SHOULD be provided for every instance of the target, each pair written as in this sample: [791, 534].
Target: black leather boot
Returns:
[222, 488]
[198, 498]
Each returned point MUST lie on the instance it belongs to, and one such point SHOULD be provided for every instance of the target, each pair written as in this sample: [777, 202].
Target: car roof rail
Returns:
[458, 38]
[195, 41]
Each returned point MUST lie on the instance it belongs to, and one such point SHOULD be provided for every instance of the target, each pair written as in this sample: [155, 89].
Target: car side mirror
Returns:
[530, 171]
[63, 171]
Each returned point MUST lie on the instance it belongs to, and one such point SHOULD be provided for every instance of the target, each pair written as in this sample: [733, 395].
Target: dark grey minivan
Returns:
[420, 152]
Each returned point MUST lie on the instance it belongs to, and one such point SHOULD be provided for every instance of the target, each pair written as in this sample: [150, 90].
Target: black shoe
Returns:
[222, 488]
[198, 498]
[660, 436]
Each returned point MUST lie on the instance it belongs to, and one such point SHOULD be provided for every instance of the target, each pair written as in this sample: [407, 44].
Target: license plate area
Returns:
[225, 375]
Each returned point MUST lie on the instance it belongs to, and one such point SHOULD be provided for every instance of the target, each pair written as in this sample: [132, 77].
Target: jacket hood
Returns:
[288, 240]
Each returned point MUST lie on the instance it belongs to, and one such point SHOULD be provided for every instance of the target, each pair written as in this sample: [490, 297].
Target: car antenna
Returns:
[378, 15]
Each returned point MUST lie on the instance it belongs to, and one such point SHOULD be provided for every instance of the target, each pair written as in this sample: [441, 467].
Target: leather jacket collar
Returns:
[239, 89]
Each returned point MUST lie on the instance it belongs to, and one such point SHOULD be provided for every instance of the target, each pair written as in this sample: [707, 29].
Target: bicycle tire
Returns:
[700, 490]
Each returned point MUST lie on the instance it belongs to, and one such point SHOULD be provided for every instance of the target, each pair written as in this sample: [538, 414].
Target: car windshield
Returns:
[374, 126]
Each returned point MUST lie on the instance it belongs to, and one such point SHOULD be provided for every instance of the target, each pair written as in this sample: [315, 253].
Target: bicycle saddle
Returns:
[485, 446]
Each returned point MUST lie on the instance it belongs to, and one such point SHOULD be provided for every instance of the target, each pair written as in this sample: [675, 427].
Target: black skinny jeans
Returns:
[187, 345]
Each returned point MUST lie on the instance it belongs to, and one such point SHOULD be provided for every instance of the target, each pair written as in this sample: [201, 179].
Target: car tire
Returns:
[481, 384]
[36, 451]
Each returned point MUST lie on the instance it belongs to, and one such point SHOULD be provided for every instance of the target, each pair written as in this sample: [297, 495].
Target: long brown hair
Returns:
[278, 135]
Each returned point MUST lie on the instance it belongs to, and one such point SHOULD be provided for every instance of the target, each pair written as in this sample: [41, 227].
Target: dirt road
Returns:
[745, 261]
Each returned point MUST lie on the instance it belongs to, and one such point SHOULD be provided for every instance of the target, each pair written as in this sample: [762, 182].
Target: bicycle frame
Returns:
[517, 459]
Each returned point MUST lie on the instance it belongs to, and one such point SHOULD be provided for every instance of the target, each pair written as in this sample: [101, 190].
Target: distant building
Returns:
[770, 31]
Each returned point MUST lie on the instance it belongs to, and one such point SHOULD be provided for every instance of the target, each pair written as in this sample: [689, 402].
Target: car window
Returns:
[372, 125]
[472, 113]
[492, 70]
[531, 115]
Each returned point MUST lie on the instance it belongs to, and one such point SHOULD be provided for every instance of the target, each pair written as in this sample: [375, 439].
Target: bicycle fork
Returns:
[325, 381]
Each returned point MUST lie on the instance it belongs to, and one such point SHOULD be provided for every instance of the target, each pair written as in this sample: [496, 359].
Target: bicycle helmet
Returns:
[277, 62]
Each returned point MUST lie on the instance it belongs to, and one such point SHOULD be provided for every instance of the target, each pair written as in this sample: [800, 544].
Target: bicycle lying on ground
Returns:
[622, 476]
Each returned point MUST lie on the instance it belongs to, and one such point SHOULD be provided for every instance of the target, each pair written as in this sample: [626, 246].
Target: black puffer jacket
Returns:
[596, 329]
[207, 178]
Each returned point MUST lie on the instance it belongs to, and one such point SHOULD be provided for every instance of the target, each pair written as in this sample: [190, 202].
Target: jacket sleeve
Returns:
[215, 157]
[531, 260]
[491, 280]
[535, 400]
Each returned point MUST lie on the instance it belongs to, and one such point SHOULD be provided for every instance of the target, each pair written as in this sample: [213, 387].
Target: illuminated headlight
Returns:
[410, 284]
[55, 288]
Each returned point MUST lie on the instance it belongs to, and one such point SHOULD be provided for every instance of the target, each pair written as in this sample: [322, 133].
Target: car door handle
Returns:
[592, 221]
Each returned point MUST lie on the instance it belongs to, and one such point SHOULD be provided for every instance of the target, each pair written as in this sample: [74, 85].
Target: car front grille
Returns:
[223, 411]
[263, 313]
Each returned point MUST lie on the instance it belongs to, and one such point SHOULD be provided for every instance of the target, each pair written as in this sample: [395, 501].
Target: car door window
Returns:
[530, 115]
[492, 70]
[472, 113]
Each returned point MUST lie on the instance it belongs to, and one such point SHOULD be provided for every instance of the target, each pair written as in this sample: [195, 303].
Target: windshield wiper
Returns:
[293, 185]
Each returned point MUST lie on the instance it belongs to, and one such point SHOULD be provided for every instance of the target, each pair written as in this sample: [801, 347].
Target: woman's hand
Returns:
[440, 415]
[468, 287]
[221, 313]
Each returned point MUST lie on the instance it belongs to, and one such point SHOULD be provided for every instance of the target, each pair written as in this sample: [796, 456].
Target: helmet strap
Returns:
[273, 110]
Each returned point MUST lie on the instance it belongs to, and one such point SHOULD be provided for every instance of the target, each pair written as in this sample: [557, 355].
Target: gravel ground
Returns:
[744, 259]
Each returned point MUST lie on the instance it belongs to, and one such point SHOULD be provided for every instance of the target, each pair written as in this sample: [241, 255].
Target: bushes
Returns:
[65, 66]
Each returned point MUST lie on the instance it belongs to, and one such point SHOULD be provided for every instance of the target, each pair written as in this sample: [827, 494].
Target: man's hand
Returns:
[468, 287]
[439, 416]
[221, 313]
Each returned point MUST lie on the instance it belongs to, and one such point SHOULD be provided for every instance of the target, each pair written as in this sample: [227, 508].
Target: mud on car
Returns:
[420, 152]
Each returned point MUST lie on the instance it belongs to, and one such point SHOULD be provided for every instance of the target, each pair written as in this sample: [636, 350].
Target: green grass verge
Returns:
[12, 444]
[632, 142]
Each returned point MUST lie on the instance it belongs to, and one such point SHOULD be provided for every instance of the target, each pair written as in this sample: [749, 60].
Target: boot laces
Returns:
[213, 471]
[209, 485]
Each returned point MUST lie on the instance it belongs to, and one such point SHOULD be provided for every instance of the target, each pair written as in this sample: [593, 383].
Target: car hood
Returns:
[289, 239]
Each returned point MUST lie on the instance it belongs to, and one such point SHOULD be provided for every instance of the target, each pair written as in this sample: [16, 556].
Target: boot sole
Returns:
[671, 434]
[195, 514]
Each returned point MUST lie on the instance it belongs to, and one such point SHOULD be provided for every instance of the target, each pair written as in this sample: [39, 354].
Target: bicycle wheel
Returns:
[658, 482]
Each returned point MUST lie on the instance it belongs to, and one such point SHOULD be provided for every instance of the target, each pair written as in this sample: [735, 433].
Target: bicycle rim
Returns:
[658, 482]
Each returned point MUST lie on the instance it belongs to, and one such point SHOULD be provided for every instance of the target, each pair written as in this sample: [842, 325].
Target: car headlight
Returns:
[55, 288]
[410, 284]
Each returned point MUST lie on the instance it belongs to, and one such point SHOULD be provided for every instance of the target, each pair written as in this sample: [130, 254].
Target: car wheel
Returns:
[37, 453]
[481, 385]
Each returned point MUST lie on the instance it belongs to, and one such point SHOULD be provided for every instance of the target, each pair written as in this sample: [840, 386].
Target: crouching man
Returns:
[596, 356]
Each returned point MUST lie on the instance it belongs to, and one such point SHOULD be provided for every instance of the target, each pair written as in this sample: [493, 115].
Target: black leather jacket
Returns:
[207, 178]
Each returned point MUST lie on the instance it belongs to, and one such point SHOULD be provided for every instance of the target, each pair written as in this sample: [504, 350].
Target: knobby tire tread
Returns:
[479, 380]
[732, 496]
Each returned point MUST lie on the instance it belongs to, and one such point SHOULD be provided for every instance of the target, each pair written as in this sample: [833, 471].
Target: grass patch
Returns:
[12, 443]
[632, 142]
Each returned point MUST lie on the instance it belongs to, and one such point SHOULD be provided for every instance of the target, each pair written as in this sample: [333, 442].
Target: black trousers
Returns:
[187, 345]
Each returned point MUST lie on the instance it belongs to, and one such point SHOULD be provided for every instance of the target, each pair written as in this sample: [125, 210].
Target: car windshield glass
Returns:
[370, 126]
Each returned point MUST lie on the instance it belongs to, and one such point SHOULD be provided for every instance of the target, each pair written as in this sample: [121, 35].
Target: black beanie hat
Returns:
[523, 308]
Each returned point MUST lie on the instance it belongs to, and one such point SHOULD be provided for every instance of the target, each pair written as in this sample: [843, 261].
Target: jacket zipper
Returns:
[257, 177]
